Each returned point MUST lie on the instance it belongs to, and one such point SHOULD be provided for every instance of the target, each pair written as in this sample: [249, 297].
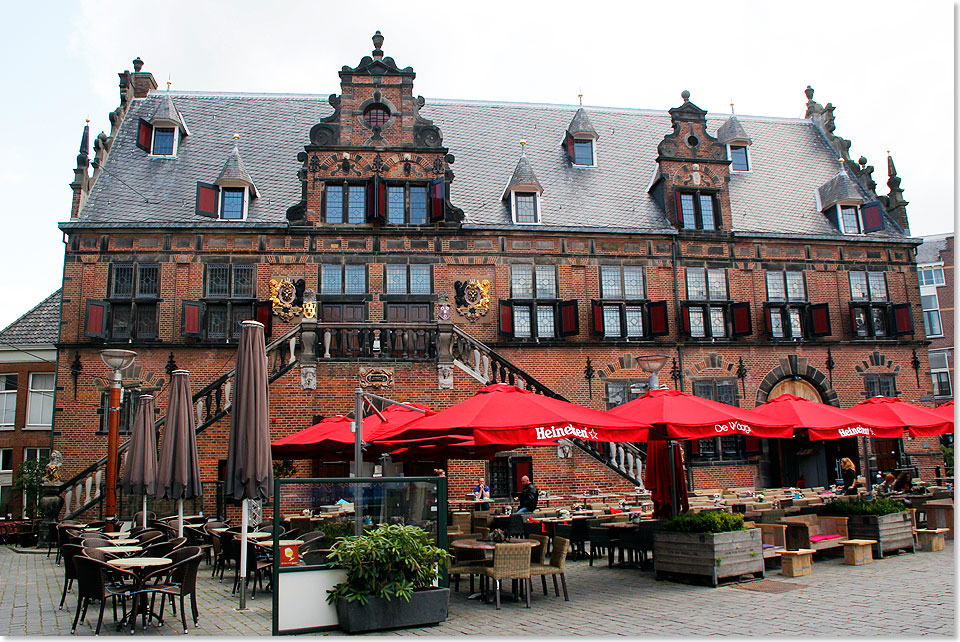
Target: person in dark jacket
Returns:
[528, 497]
[849, 475]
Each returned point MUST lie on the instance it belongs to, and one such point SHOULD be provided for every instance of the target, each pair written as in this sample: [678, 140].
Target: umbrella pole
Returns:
[180, 515]
[243, 556]
[357, 458]
[144, 512]
[673, 479]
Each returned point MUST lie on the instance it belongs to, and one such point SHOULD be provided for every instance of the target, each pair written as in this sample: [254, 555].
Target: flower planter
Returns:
[425, 608]
[710, 555]
[892, 532]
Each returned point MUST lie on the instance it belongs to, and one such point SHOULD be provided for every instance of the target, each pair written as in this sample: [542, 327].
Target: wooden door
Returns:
[412, 343]
[344, 343]
[797, 387]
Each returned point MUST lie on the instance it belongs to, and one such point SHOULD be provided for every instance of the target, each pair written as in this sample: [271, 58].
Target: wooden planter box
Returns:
[425, 608]
[892, 532]
[710, 555]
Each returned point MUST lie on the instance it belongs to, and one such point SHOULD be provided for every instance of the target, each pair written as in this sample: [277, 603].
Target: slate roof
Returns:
[39, 326]
[790, 160]
[839, 188]
[581, 124]
[235, 170]
[523, 176]
[929, 250]
[732, 130]
[167, 111]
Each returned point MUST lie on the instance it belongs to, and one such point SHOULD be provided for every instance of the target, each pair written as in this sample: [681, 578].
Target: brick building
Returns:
[452, 243]
[28, 356]
[935, 275]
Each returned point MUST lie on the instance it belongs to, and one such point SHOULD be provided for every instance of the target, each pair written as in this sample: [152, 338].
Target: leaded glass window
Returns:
[545, 321]
[611, 321]
[634, 320]
[395, 205]
[521, 321]
[696, 284]
[418, 205]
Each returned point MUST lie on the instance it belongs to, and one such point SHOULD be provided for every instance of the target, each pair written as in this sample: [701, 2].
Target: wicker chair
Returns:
[481, 531]
[461, 522]
[557, 566]
[538, 554]
[68, 551]
[177, 580]
[93, 583]
[601, 540]
[510, 562]
[467, 562]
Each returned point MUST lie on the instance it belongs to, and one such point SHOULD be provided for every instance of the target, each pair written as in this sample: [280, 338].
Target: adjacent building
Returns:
[424, 248]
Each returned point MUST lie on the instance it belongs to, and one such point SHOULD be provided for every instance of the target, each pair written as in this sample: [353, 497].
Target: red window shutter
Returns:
[98, 312]
[144, 135]
[872, 217]
[678, 210]
[437, 210]
[658, 323]
[767, 318]
[694, 446]
[192, 318]
[570, 150]
[506, 318]
[263, 312]
[685, 314]
[751, 444]
[902, 318]
[208, 199]
[819, 320]
[597, 310]
[376, 203]
[742, 320]
[569, 322]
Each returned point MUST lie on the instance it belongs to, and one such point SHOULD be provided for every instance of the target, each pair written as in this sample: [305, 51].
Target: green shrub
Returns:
[712, 521]
[390, 561]
[947, 458]
[860, 506]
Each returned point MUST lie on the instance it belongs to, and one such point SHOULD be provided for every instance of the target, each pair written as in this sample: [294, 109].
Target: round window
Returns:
[376, 115]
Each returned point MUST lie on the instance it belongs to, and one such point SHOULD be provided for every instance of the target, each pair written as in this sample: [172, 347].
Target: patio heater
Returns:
[116, 360]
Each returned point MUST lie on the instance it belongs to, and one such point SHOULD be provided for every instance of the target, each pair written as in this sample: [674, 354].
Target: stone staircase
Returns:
[82, 492]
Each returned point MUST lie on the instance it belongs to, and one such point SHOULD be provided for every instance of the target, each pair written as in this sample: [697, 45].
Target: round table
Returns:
[487, 545]
[122, 550]
[125, 542]
[141, 566]
[116, 534]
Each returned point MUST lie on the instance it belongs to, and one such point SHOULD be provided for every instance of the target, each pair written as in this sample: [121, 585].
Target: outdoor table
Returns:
[940, 515]
[486, 545]
[796, 563]
[120, 550]
[116, 534]
[857, 551]
[472, 503]
[126, 541]
[141, 566]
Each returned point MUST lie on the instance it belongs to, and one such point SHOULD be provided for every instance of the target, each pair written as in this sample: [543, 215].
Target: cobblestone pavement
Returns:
[901, 595]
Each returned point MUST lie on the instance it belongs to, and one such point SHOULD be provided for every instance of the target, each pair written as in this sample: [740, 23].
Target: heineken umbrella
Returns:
[140, 469]
[249, 473]
[919, 421]
[178, 474]
[823, 421]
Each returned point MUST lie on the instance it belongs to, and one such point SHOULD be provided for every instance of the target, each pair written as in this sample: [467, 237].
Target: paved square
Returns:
[900, 595]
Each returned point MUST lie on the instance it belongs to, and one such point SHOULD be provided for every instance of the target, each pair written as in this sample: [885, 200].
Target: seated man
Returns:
[482, 491]
[528, 497]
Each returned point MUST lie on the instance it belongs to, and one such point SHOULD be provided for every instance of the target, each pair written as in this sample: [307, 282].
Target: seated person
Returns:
[886, 487]
[528, 497]
[904, 483]
[482, 491]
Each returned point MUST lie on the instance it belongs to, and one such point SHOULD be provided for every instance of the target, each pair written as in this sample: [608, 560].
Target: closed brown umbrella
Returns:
[140, 469]
[178, 474]
[249, 473]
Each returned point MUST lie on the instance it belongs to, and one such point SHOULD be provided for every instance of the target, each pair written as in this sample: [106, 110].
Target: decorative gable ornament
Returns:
[472, 298]
[283, 294]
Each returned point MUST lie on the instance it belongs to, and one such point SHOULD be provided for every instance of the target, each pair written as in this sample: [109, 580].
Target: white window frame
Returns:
[536, 205]
[593, 150]
[931, 291]
[30, 396]
[934, 268]
[246, 201]
[746, 148]
[936, 371]
[7, 395]
[176, 140]
[843, 227]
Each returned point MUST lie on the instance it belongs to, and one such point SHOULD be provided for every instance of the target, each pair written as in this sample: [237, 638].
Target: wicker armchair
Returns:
[557, 566]
[538, 554]
[510, 562]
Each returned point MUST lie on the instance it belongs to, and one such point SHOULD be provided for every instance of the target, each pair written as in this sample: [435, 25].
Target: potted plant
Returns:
[882, 519]
[710, 544]
[390, 572]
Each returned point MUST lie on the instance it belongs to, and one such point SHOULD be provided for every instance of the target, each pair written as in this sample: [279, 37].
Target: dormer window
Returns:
[697, 210]
[580, 141]
[164, 141]
[739, 158]
[849, 219]
[583, 152]
[233, 203]
[526, 207]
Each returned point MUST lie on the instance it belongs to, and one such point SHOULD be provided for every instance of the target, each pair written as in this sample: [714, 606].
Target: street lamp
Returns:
[652, 363]
[116, 360]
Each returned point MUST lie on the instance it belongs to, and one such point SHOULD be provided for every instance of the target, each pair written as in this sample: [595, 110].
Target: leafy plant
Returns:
[29, 479]
[947, 458]
[704, 522]
[859, 506]
[390, 561]
[332, 531]
[284, 468]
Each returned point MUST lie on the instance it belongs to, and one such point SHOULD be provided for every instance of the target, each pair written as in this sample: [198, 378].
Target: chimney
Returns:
[137, 84]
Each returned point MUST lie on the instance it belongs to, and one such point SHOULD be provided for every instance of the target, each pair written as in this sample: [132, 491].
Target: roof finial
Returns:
[137, 64]
[731, 106]
[523, 145]
[169, 82]
[580, 97]
[236, 136]
[377, 44]
[685, 95]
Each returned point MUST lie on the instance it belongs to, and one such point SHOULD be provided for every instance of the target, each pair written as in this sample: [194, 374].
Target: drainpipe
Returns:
[676, 305]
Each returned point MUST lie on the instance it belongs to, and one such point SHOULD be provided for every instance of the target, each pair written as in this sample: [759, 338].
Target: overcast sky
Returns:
[888, 67]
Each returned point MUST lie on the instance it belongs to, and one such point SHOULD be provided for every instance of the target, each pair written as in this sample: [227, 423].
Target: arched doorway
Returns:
[796, 387]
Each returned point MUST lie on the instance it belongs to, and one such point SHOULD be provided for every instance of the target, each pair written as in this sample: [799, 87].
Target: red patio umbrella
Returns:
[501, 414]
[679, 415]
[945, 410]
[430, 450]
[823, 421]
[919, 421]
[657, 479]
[331, 438]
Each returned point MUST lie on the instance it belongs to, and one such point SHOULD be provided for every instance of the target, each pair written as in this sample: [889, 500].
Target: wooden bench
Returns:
[858, 551]
[773, 539]
[932, 539]
[796, 563]
[818, 532]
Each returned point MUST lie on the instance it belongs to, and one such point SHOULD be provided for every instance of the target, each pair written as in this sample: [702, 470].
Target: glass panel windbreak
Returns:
[328, 505]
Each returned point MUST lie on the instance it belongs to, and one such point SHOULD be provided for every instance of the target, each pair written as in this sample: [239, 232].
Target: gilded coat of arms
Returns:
[472, 298]
[283, 293]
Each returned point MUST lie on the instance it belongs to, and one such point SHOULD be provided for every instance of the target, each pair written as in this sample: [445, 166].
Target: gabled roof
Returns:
[234, 171]
[167, 112]
[38, 326]
[791, 159]
[839, 188]
[581, 125]
[732, 132]
[929, 250]
[523, 178]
